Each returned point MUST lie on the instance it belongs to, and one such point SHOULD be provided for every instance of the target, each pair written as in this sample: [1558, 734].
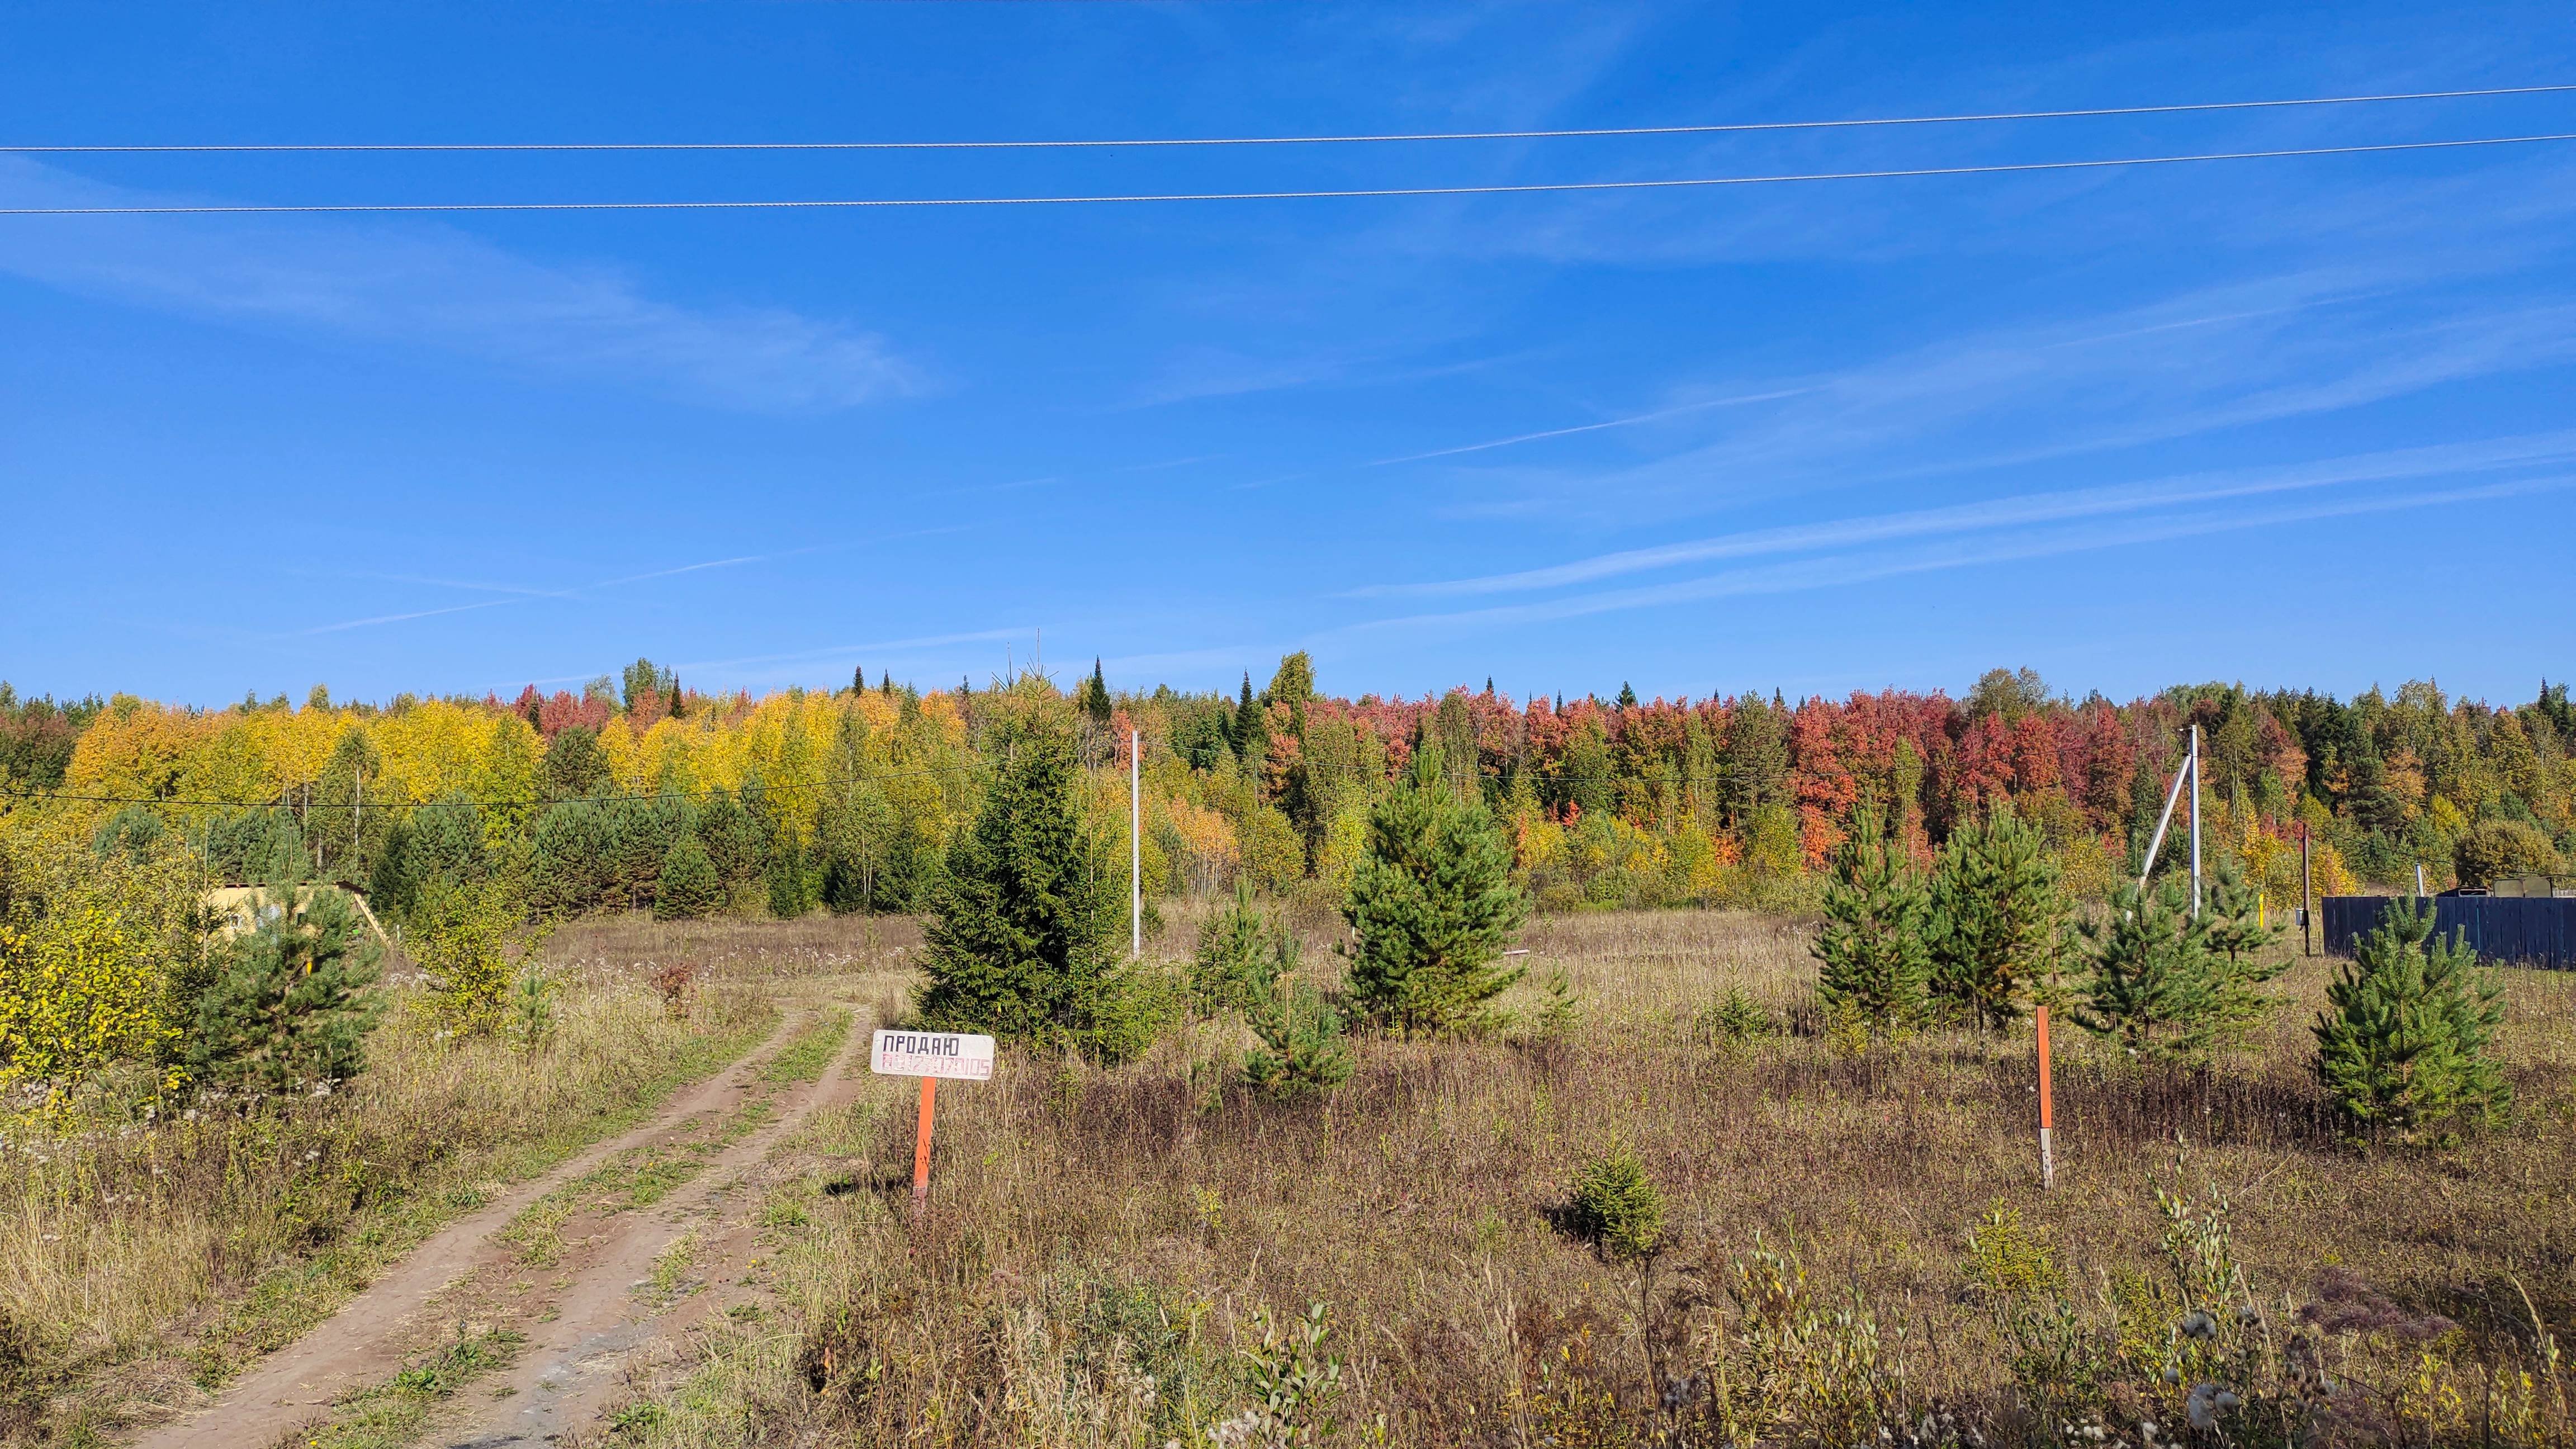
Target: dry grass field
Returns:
[1107, 1247]
[1129, 1256]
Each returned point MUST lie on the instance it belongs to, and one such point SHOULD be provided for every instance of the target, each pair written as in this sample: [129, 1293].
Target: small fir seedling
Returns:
[1563, 1010]
[532, 1021]
[1617, 1208]
[1734, 1019]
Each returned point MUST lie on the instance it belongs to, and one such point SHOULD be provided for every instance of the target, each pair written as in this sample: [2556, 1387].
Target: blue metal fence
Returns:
[2516, 930]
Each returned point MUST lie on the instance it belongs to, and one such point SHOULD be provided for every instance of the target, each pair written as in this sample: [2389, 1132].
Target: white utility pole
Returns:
[1135, 852]
[2195, 822]
[2188, 775]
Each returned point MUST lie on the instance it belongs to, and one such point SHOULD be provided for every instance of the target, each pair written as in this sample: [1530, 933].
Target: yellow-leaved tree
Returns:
[80, 991]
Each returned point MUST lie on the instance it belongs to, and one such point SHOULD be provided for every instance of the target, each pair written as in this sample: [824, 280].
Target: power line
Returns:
[761, 788]
[1505, 189]
[1117, 143]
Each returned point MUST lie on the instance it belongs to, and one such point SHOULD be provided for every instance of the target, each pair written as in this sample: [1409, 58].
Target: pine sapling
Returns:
[1998, 919]
[1874, 959]
[292, 1008]
[1431, 904]
[2153, 983]
[2403, 1041]
[1303, 1048]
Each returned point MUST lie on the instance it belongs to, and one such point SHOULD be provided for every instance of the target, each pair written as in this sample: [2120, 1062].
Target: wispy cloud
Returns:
[2019, 511]
[2269, 349]
[1658, 415]
[1834, 571]
[513, 595]
[426, 284]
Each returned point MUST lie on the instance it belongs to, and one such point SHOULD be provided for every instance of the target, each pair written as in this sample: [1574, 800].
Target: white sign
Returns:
[933, 1054]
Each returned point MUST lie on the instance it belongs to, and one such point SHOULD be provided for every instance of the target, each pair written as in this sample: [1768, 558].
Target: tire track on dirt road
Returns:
[625, 1305]
[363, 1342]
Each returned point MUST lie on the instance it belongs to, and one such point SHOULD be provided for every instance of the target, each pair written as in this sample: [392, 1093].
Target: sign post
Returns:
[930, 1055]
[2047, 1149]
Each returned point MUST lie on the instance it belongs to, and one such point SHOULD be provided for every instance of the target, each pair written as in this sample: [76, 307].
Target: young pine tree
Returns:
[1232, 968]
[1430, 904]
[2155, 983]
[1020, 939]
[1302, 1046]
[689, 887]
[1874, 960]
[291, 1010]
[1998, 922]
[2403, 1040]
[2238, 932]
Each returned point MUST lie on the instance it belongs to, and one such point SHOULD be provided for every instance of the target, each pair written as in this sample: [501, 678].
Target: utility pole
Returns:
[2195, 822]
[1135, 850]
[357, 802]
[2307, 893]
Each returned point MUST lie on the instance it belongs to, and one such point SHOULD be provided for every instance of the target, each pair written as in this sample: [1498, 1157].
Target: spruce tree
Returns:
[1020, 939]
[1998, 922]
[1431, 903]
[1095, 695]
[1251, 733]
[291, 1009]
[2403, 1041]
[1875, 962]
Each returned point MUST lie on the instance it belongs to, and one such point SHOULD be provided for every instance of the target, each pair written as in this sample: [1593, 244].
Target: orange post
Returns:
[921, 1152]
[2047, 1152]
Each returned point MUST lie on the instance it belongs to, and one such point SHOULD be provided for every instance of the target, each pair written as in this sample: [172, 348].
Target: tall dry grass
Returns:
[138, 1259]
[1102, 1241]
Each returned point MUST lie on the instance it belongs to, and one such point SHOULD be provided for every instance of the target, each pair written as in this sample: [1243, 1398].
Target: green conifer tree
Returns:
[1251, 733]
[731, 837]
[1998, 920]
[1303, 1048]
[1230, 971]
[2403, 1041]
[689, 887]
[1019, 944]
[1093, 698]
[1431, 904]
[2155, 984]
[291, 1009]
[575, 765]
[2239, 934]
[1874, 959]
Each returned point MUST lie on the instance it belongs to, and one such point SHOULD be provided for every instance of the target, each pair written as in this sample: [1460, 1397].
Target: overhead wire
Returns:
[1348, 193]
[1357, 138]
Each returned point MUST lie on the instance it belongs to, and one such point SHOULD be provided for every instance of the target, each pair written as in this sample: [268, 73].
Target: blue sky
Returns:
[2298, 422]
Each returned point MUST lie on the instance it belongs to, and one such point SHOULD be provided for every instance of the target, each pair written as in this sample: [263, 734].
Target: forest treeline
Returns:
[635, 792]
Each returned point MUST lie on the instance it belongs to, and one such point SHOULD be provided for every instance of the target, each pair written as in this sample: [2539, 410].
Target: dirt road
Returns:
[588, 1309]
